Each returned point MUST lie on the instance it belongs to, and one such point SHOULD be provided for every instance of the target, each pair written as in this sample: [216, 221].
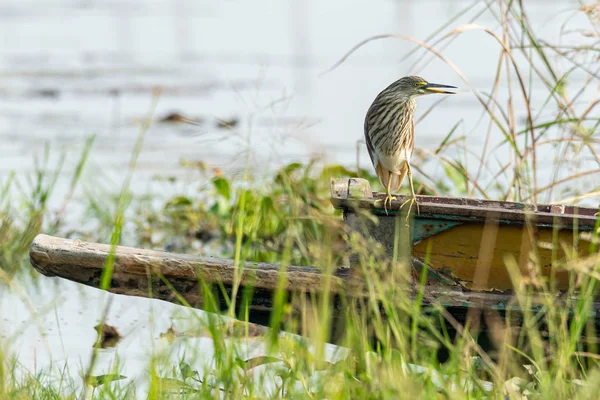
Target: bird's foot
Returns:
[412, 200]
[386, 202]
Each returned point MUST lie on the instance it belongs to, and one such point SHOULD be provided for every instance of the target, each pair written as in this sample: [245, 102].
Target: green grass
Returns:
[393, 344]
[288, 220]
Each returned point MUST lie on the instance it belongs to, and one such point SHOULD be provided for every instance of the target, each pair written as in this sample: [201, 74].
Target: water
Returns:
[69, 69]
[89, 67]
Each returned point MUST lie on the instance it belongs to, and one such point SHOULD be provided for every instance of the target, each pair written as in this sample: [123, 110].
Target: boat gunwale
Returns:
[476, 210]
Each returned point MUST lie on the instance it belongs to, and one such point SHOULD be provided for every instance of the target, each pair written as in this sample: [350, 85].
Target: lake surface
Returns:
[70, 69]
[75, 68]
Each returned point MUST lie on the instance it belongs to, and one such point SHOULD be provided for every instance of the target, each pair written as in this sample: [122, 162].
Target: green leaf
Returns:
[337, 171]
[290, 168]
[99, 380]
[178, 201]
[256, 361]
[223, 187]
[287, 171]
[186, 370]
[267, 205]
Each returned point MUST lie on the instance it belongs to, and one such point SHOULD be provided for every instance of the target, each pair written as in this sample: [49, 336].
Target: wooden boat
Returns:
[467, 242]
[472, 240]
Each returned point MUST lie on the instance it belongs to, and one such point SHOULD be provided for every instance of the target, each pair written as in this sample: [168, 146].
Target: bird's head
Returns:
[413, 86]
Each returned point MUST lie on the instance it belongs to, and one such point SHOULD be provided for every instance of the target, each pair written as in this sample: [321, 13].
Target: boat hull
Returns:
[480, 245]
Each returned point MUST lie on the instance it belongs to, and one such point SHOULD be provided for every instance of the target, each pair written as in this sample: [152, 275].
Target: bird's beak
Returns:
[437, 88]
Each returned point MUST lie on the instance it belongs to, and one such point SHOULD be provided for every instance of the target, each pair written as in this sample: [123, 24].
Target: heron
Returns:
[390, 132]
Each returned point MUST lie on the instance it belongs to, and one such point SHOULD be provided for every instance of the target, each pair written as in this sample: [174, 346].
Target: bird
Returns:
[390, 132]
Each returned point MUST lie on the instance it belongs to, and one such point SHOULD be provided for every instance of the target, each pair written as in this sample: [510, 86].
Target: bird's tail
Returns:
[385, 175]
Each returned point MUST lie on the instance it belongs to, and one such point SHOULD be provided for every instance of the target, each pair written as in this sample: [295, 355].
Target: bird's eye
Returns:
[417, 84]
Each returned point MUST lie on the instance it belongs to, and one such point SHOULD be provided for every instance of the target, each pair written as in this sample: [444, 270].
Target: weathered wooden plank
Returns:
[350, 188]
[465, 209]
[83, 262]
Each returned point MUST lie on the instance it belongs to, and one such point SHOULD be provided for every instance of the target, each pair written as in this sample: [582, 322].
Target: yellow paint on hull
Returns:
[476, 254]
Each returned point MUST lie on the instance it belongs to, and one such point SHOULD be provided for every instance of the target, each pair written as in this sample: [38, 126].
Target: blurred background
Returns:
[251, 75]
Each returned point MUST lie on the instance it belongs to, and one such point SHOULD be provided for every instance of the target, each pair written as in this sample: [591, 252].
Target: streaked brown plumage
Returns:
[390, 130]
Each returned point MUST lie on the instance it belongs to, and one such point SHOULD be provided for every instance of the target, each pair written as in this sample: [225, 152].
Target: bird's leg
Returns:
[389, 197]
[412, 190]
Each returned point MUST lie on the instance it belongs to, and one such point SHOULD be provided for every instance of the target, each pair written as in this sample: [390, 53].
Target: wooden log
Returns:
[172, 277]
[141, 272]
[78, 260]
[145, 273]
